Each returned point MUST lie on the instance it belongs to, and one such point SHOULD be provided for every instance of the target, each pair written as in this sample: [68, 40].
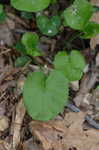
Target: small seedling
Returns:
[31, 43]
[48, 26]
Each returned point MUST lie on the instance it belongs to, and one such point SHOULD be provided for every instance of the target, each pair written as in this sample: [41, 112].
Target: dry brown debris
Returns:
[95, 2]
[66, 134]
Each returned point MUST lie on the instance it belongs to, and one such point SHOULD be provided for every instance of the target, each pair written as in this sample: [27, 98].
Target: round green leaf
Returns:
[44, 97]
[30, 5]
[78, 14]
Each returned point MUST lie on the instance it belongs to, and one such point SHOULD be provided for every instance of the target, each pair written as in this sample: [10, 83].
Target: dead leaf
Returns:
[86, 85]
[49, 133]
[97, 60]
[95, 40]
[4, 145]
[66, 134]
[95, 2]
[6, 35]
[76, 137]
[75, 85]
[4, 123]
[20, 112]
[30, 145]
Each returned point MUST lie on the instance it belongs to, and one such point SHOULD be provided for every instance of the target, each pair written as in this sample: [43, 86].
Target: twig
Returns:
[8, 50]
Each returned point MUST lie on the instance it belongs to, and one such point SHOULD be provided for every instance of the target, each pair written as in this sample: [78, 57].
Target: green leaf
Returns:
[22, 61]
[78, 14]
[30, 5]
[2, 17]
[91, 30]
[44, 97]
[73, 74]
[71, 65]
[61, 61]
[2, 14]
[77, 60]
[97, 87]
[48, 26]
[20, 47]
[1, 9]
[31, 41]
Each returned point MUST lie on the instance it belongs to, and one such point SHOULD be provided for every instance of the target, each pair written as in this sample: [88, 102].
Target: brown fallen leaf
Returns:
[86, 85]
[30, 145]
[66, 134]
[97, 60]
[95, 2]
[4, 145]
[20, 112]
[95, 40]
[75, 85]
[6, 35]
[76, 137]
[49, 133]
[4, 123]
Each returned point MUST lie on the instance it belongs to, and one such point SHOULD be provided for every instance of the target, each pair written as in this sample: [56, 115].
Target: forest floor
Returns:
[76, 128]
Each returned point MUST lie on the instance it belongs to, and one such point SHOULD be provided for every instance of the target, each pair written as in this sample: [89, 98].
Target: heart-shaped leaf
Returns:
[78, 14]
[45, 97]
[71, 65]
[30, 5]
[48, 26]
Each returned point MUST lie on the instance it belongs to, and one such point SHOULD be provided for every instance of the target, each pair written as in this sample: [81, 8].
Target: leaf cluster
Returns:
[76, 16]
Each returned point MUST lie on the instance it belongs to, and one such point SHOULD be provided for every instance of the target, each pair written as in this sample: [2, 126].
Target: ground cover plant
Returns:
[75, 18]
[49, 74]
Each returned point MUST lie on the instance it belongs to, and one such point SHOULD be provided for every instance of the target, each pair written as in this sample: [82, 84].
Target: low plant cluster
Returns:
[45, 95]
